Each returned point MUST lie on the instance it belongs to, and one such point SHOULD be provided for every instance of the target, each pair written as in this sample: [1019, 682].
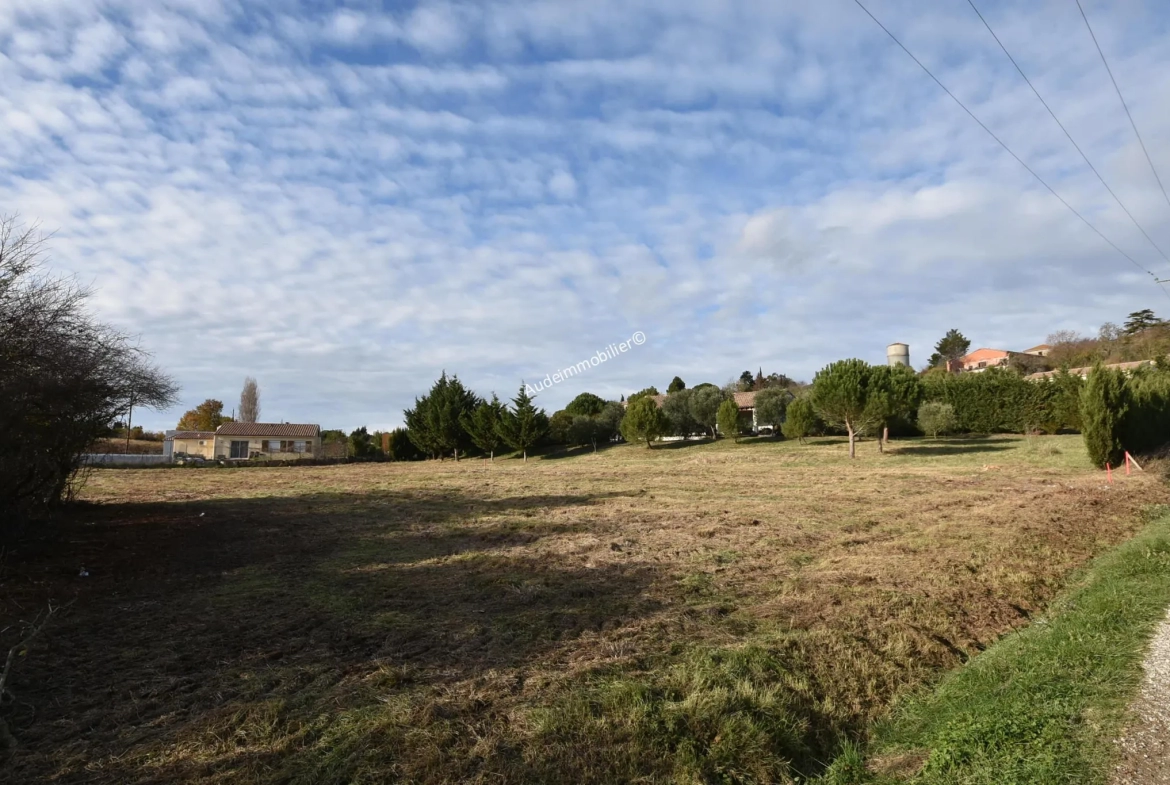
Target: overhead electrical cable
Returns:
[1002, 144]
[1089, 163]
[1123, 103]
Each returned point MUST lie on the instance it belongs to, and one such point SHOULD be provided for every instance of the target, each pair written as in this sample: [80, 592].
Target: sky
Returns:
[344, 200]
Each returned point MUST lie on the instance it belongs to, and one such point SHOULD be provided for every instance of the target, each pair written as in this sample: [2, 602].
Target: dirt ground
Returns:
[565, 619]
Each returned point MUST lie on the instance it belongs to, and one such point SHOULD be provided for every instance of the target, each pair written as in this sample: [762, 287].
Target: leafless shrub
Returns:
[64, 377]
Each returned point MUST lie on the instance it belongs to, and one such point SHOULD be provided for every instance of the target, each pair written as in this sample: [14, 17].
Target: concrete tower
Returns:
[898, 354]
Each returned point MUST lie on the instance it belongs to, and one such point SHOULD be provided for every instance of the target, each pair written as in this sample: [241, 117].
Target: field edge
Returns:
[1044, 704]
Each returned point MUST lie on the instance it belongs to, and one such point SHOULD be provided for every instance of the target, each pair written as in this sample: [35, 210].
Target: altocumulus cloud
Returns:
[343, 200]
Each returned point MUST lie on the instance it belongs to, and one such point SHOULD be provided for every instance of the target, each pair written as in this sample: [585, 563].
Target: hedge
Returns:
[1002, 401]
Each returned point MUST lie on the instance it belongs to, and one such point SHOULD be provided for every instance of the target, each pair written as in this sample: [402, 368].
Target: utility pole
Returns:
[129, 420]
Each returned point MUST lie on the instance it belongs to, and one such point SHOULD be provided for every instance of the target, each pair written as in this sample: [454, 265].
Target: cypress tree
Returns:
[524, 425]
[1103, 408]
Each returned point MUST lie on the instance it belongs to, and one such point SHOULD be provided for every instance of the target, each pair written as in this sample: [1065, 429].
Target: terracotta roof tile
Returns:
[193, 434]
[267, 429]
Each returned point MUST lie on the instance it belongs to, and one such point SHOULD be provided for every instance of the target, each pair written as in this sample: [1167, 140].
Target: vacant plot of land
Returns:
[693, 613]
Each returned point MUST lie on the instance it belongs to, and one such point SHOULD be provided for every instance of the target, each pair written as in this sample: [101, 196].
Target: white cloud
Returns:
[344, 204]
[562, 185]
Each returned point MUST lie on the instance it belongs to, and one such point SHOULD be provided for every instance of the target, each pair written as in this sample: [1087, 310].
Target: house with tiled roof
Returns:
[280, 441]
[192, 444]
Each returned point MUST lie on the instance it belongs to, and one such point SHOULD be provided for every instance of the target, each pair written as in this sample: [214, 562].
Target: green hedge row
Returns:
[1146, 425]
[1002, 401]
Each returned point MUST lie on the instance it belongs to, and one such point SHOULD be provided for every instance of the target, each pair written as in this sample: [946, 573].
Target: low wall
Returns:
[116, 459]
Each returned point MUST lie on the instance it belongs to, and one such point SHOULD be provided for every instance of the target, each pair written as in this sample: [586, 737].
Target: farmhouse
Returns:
[279, 441]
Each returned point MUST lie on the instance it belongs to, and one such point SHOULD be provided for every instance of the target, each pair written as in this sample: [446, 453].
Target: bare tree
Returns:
[64, 377]
[250, 401]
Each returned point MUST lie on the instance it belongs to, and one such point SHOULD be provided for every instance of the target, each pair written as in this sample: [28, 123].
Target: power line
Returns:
[991, 133]
[1116, 198]
[1123, 104]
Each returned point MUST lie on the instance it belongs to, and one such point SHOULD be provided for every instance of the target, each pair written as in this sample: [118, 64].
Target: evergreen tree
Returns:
[644, 421]
[523, 425]
[844, 394]
[609, 421]
[675, 385]
[705, 400]
[402, 448]
[894, 393]
[584, 430]
[586, 404]
[482, 425]
[1103, 408]
[558, 427]
[935, 417]
[728, 419]
[1139, 321]
[361, 445]
[951, 347]
[643, 393]
[771, 403]
[434, 422]
[677, 409]
[800, 419]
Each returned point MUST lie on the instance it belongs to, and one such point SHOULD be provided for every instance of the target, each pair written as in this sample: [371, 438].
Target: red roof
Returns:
[193, 434]
[267, 429]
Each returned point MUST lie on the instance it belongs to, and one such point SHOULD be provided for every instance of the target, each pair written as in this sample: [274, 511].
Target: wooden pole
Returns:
[129, 420]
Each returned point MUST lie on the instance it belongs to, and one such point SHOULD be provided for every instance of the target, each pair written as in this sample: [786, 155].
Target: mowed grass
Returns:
[1047, 704]
[693, 613]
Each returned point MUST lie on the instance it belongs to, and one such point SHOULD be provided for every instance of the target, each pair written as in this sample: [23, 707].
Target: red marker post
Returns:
[1109, 473]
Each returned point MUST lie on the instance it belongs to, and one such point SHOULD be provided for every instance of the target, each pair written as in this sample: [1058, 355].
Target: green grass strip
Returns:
[1045, 704]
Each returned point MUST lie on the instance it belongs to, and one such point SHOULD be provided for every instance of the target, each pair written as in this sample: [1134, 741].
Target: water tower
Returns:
[898, 354]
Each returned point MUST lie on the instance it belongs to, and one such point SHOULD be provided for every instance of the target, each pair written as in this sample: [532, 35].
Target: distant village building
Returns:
[982, 359]
[1083, 372]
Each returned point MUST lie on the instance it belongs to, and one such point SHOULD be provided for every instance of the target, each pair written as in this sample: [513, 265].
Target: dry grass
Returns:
[694, 613]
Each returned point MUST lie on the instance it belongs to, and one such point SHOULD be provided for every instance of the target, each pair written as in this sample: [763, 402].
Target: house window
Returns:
[298, 446]
[274, 446]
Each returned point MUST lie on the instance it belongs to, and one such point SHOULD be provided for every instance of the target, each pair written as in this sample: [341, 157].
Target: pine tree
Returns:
[524, 424]
[845, 394]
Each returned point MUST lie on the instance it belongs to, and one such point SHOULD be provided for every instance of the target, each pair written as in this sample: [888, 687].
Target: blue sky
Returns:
[344, 199]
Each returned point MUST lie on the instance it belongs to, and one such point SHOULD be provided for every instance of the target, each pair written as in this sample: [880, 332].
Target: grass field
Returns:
[693, 613]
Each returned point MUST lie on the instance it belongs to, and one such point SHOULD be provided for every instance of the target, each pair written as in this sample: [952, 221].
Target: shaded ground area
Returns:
[701, 613]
